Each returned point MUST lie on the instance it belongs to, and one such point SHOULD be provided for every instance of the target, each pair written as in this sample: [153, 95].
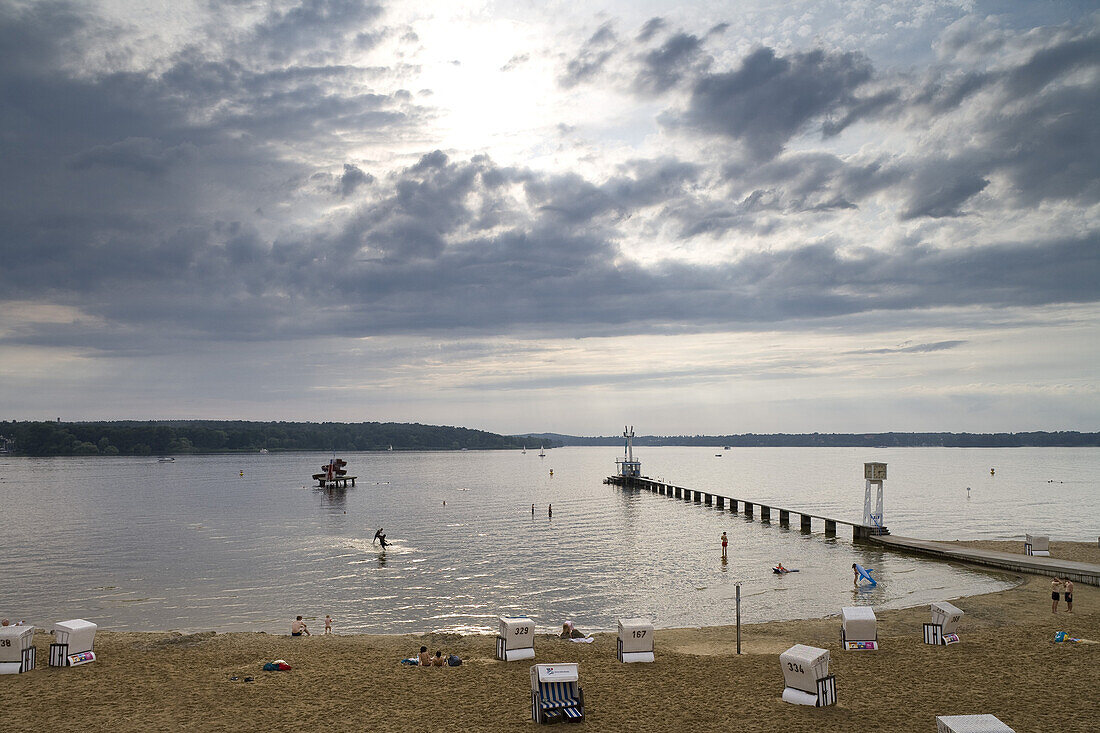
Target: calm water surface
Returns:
[134, 544]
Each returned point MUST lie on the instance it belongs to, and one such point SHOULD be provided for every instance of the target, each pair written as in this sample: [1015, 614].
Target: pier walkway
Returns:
[750, 508]
[1078, 572]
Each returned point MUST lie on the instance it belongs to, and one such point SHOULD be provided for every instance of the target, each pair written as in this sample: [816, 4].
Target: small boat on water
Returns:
[542, 452]
[263, 451]
[166, 459]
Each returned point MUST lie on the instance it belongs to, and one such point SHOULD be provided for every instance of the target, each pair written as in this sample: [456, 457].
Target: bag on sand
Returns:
[279, 665]
[453, 661]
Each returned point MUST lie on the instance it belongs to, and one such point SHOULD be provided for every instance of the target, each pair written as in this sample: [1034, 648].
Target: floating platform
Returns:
[338, 482]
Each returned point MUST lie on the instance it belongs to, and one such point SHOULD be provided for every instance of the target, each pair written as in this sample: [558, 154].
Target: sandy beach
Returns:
[1007, 664]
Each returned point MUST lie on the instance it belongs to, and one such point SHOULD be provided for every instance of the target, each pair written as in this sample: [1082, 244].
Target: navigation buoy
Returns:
[242, 473]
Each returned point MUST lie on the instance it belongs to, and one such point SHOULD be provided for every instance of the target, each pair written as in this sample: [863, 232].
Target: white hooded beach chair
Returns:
[635, 643]
[1038, 545]
[858, 628]
[970, 724]
[72, 645]
[17, 652]
[945, 620]
[806, 676]
[516, 639]
[556, 694]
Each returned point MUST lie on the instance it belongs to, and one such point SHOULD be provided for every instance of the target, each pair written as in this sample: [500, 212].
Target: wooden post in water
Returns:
[733, 505]
[805, 522]
[748, 508]
[721, 501]
[765, 514]
[830, 528]
[784, 518]
[708, 499]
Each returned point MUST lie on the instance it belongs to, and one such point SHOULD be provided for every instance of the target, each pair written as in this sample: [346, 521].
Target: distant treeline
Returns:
[139, 438]
[1067, 439]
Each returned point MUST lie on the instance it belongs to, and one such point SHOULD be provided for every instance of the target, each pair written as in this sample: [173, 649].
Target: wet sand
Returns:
[1006, 664]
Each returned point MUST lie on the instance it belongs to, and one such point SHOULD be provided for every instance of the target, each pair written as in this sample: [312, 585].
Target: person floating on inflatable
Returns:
[780, 570]
[861, 573]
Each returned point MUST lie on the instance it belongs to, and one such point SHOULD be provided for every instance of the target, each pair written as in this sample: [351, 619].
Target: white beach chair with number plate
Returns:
[635, 643]
[945, 620]
[806, 676]
[17, 652]
[516, 639]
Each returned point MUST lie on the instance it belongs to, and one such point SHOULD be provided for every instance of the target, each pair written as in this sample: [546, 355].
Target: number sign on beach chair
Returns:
[72, 643]
[556, 694]
[635, 643]
[970, 724]
[516, 639]
[806, 676]
[17, 652]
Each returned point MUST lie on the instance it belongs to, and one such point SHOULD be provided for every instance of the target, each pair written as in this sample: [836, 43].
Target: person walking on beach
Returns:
[1067, 587]
[1054, 586]
[725, 541]
[328, 624]
[298, 627]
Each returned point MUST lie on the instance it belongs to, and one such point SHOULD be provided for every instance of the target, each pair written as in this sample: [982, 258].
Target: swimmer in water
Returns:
[380, 536]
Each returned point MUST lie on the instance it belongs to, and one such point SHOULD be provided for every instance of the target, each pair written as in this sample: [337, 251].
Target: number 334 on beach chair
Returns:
[556, 694]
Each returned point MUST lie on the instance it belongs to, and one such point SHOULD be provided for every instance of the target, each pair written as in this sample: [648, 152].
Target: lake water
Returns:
[134, 544]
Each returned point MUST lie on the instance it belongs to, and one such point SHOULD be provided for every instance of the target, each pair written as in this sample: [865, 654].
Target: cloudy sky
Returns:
[717, 217]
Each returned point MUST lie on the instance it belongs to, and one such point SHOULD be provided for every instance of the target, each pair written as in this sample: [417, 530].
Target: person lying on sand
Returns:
[568, 631]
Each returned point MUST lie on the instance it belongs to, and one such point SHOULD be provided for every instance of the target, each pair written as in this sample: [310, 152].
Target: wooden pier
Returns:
[749, 508]
[1078, 572]
[339, 482]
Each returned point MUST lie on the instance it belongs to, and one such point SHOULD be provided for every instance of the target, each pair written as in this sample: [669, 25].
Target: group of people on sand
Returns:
[424, 659]
[298, 626]
[1067, 592]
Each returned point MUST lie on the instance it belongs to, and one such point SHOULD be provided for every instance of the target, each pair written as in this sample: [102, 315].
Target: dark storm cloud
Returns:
[770, 99]
[352, 178]
[141, 154]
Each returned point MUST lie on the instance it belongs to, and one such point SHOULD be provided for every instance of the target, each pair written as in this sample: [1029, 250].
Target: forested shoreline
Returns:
[167, 437]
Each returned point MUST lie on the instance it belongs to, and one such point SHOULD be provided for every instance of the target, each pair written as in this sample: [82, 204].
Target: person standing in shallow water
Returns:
[725, 541]
[550, 511]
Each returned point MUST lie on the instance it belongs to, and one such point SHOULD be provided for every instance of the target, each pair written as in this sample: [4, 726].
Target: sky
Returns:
[695, 218]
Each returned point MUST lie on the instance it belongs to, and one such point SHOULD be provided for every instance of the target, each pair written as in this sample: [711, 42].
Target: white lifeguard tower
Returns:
[17, 652]
[875, 474]
[627, 466]
[516, 639]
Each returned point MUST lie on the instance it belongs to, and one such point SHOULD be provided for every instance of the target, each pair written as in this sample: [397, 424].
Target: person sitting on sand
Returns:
[437, 660]
[424, 659]
[298, 627]
[568, 631]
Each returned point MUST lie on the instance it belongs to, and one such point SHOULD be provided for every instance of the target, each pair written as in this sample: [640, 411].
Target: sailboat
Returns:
[524, 450]
[542, 452]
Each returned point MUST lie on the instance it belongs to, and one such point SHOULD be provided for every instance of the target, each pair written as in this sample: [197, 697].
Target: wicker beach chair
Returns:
[556, 694]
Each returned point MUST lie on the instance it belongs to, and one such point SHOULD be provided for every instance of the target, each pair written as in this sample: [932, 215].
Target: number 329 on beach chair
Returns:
[556, 694]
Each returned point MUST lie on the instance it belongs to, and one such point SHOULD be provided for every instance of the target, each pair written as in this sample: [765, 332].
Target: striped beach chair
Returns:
[556, 694]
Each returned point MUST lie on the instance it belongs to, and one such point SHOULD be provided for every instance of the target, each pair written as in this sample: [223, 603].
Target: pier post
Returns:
[830, 528]
[698, 497]
[784, 518]
[677, 490]
[721, 501]
[805, 522]
[708, 499]
[765, 514]
[748, 508]
[733, 505]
